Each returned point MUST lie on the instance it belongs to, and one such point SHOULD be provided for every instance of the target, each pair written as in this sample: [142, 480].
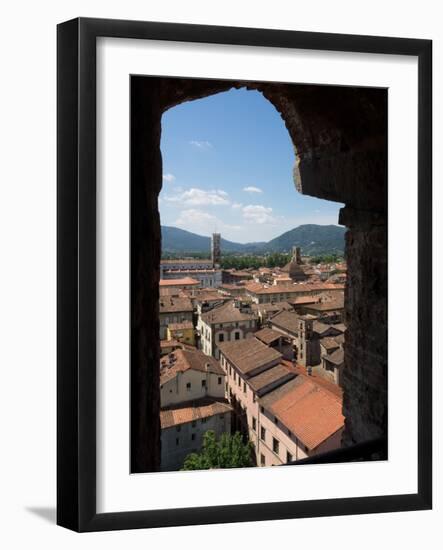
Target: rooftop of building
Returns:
[337, 357]
[178, 282]
[184, 325]
[330, 343]
[287, 320]
[322, 328]
[191, 270]
[329, 303]
[267, 335]
[249, 354]
[186, 261]
[310, 411]
[182, 360]
[192, 411]
[226, 313]
[259, 288]
[170, 304]
[278, 374]
[272, 307]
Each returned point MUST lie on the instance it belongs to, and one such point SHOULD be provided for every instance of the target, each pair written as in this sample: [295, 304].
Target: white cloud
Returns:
[256, 213]
[252, 189]
[201, 144]
[194, 216]
[199, 221]
[200, 197]
[237, 205]
[169, 178]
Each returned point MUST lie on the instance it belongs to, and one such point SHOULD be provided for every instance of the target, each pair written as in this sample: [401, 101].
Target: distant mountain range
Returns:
[312, 239]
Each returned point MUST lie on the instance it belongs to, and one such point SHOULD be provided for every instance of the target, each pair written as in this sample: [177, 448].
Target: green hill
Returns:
[312, 239]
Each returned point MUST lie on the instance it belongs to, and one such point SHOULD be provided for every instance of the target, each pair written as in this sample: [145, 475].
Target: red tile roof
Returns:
[182, 360]
[178, 282]
[188, 412]
[308, 410]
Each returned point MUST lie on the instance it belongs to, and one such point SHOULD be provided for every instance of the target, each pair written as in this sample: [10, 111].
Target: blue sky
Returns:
[227, 166]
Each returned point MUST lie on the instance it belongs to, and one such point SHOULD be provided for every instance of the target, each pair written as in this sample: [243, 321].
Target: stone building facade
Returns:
[231, 321]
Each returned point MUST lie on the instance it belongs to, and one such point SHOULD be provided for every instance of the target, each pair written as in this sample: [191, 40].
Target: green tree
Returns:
[228, 452]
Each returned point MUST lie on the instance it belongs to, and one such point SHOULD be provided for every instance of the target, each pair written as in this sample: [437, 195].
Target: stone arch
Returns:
[340, 139]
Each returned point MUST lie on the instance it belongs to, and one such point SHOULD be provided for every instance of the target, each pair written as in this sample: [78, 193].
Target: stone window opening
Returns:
[339, 138]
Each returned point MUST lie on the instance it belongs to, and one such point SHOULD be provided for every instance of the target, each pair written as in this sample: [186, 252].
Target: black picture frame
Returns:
[76, 279]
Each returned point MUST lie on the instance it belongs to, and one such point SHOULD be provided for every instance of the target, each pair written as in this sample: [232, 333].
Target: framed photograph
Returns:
[244, 274]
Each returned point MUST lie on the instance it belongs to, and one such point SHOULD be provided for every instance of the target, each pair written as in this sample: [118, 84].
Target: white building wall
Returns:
[177, 390]
[177, 442]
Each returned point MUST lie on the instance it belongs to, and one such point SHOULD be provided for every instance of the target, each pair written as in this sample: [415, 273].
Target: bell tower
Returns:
[215, 249]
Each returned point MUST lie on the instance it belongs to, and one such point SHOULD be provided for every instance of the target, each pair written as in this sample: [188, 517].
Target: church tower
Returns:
[215, 249]
[296, 272]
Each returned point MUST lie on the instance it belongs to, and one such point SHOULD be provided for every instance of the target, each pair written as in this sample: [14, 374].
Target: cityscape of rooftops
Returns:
[252, 282]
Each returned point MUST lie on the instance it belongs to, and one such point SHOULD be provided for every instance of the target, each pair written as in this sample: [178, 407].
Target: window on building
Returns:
[204, 420]
[254, 423]
[262, 433]
[275, 445]
[221, 416]
[237, 336]
[203, 383]
[254, 399]
[262, 460]
[275, 420]
[177, 441]
[221, 337]
[219, 380]
[239, 382]
[262, 410]
[188, 386]
[192, 437]
[288, 457]
[244, 387]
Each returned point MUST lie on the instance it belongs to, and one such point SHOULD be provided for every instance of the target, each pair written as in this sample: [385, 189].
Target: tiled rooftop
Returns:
[249, 354]
[182, 360]
[307, 409]
[188, 412]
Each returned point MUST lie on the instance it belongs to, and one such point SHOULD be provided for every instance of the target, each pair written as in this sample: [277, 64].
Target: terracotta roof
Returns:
[186, 261]
[187, 412]
[272, 307]
[267, 335]
[172, 291]
[182, 360]
[301, 300]
[226, 313]
[258, 288]
[280, 373]
[249, 354]
[170, 304]
[321, 328]
[181, 326]
[170, 344]
[338, 302]
[337, 357]
[329, 343]
[178, 282]
[307, 409]
[287, 320]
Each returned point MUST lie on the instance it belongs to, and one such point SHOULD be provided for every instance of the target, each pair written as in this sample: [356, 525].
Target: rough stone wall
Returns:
[364, 373]
[146, 181]
[340, 139]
